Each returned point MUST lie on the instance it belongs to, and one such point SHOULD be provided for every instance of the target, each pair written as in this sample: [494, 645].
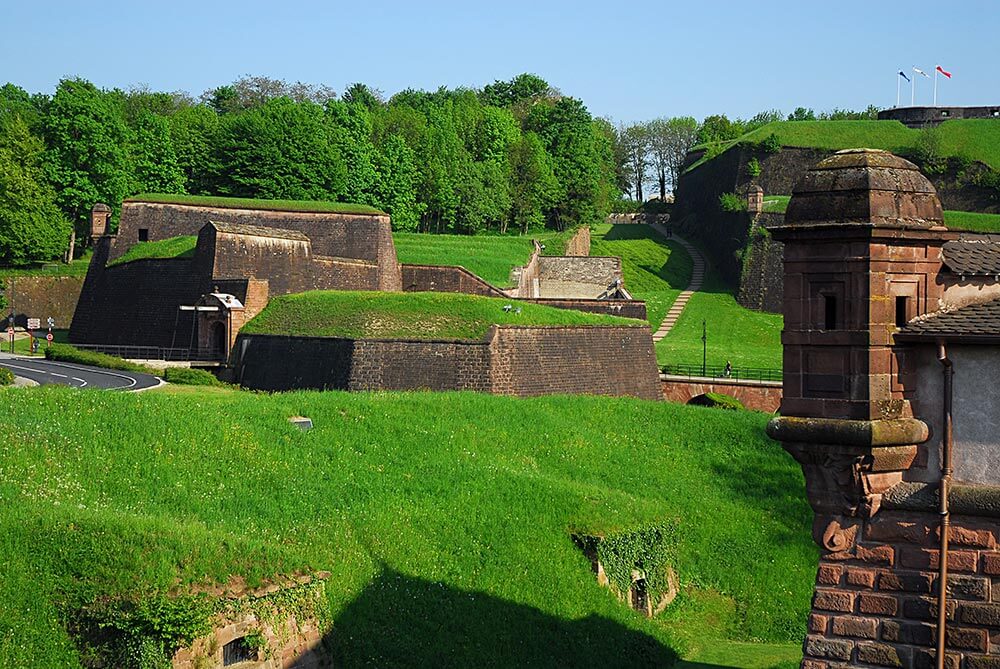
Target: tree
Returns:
[670, 139]
[718, 128]
[802, 114]
[396, 184]
[534, 187]
[194, 132]
[154, 163]
[86, 159]
[519, 89]
[32, 228]
[250, 92]
[570, 138]
[635, 146]
[280, 150]
[351, 134]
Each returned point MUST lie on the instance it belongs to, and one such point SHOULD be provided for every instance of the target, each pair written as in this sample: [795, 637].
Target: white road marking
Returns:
[61, 376]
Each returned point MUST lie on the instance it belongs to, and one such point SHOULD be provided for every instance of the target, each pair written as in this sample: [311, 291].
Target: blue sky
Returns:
[627, 60]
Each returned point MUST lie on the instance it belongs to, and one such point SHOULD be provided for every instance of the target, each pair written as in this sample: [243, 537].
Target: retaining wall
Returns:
[757, 395]
[510, 360]
[43, 297]
[446, 279]
[579, 243]
[365, 237]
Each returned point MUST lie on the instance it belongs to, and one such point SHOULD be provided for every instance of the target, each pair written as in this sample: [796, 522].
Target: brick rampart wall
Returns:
[601, 270]
[44, 297]
[523, 361]
[446, 279]
[625, 308]
[579, 243]
[762, 396]
[136, 303]
[761, 281]
[616, 361]
[875, 602]
[362, 237]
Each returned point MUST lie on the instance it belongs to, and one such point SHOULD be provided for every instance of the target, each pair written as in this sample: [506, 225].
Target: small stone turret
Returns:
[100, 219]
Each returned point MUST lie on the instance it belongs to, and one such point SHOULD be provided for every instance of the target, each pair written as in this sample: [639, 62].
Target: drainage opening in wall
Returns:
[635, 565]
[237, 651]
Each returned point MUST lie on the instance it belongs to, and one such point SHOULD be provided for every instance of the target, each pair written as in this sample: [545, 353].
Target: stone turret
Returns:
[100, 218]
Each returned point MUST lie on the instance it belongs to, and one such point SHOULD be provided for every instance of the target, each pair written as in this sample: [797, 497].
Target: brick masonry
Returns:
[44, 297]
[862, 243]
[446, 279]
[510, 360]
[758, 396]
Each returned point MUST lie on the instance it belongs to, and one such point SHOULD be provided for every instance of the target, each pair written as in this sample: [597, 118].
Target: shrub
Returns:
[928, 152]
[6, 377]
[732, 202]
[191, 377]
[771, 144]
[717, 400]
[67, 353]
[753, 168]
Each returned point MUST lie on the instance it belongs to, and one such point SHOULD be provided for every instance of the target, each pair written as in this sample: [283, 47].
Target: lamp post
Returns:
[704, 348]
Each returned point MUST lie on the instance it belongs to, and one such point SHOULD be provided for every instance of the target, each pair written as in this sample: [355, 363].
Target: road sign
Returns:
[10, 331]
[52, 322]
[34, 323]
[48, 337]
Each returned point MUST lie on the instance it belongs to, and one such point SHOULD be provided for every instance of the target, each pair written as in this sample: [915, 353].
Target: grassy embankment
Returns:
[656, 270]
[445, 520]
[490, 257]
[219, 202]
[359, 314]
[956, 220]
[975, 139]
[76, 268]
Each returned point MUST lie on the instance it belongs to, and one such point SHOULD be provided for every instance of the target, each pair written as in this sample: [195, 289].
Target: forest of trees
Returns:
[513, 156]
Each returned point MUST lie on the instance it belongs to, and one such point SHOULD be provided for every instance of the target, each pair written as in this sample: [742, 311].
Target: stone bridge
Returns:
[757, 395]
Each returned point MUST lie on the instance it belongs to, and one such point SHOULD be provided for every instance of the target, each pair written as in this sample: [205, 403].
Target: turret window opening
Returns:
[829, 312]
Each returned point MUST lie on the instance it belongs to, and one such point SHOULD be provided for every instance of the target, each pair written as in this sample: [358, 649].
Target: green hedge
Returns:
[180, 375]
[6, 376]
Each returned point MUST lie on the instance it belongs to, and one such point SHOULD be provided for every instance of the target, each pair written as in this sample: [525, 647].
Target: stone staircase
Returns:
[697, 276]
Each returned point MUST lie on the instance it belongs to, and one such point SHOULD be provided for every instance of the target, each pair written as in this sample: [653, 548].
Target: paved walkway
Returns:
[697, 275]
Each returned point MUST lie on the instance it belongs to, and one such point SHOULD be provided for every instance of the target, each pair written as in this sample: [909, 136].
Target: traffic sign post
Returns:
[34, 323]
[10, 333]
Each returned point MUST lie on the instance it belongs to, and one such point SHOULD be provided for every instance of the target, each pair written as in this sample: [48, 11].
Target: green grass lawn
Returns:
[358, 314]
[312, 206]
[22, 346]
[490, 257]
[655, 269]
[745, 337]
[977, 139]
[956, 220]
[444, 519]
[174, 247]
[76, 268]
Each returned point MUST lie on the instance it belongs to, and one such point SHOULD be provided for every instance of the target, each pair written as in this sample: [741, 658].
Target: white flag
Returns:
[919, 71]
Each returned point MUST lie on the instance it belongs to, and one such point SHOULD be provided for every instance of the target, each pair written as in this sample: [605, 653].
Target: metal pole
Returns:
[704, 348]
[913, 88]
[897, 88]
[935, 87]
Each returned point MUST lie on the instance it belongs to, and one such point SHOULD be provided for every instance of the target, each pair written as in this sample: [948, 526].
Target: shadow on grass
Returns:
[776, 488]
[402, 621]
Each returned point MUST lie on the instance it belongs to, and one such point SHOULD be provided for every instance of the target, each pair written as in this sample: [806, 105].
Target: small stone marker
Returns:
[301, 422]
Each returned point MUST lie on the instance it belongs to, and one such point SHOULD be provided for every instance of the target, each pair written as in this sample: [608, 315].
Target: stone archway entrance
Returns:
[219, 339]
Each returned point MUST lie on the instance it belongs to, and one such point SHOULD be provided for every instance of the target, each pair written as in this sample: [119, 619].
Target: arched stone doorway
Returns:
[219, 339]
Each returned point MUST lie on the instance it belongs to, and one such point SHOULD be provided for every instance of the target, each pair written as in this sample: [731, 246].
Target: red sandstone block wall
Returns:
[876, 604]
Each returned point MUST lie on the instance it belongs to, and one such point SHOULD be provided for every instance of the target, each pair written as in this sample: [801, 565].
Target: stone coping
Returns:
[721, 380]
[963, 499]
[818, 432]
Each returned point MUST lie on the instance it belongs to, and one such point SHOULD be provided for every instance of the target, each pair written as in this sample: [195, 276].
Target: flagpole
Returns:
[897, 89]
[913, 88]
[935, 87]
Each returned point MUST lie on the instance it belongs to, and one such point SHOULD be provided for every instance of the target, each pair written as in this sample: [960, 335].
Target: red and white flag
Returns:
[941, 70]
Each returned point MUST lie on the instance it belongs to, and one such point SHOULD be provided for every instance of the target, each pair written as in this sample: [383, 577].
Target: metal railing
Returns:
[733, 374]
[154, 352]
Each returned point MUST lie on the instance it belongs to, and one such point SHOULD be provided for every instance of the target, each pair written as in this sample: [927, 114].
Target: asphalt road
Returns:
[79, 376]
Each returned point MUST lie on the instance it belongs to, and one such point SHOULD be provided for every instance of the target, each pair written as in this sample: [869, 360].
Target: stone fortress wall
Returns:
[509, 360]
